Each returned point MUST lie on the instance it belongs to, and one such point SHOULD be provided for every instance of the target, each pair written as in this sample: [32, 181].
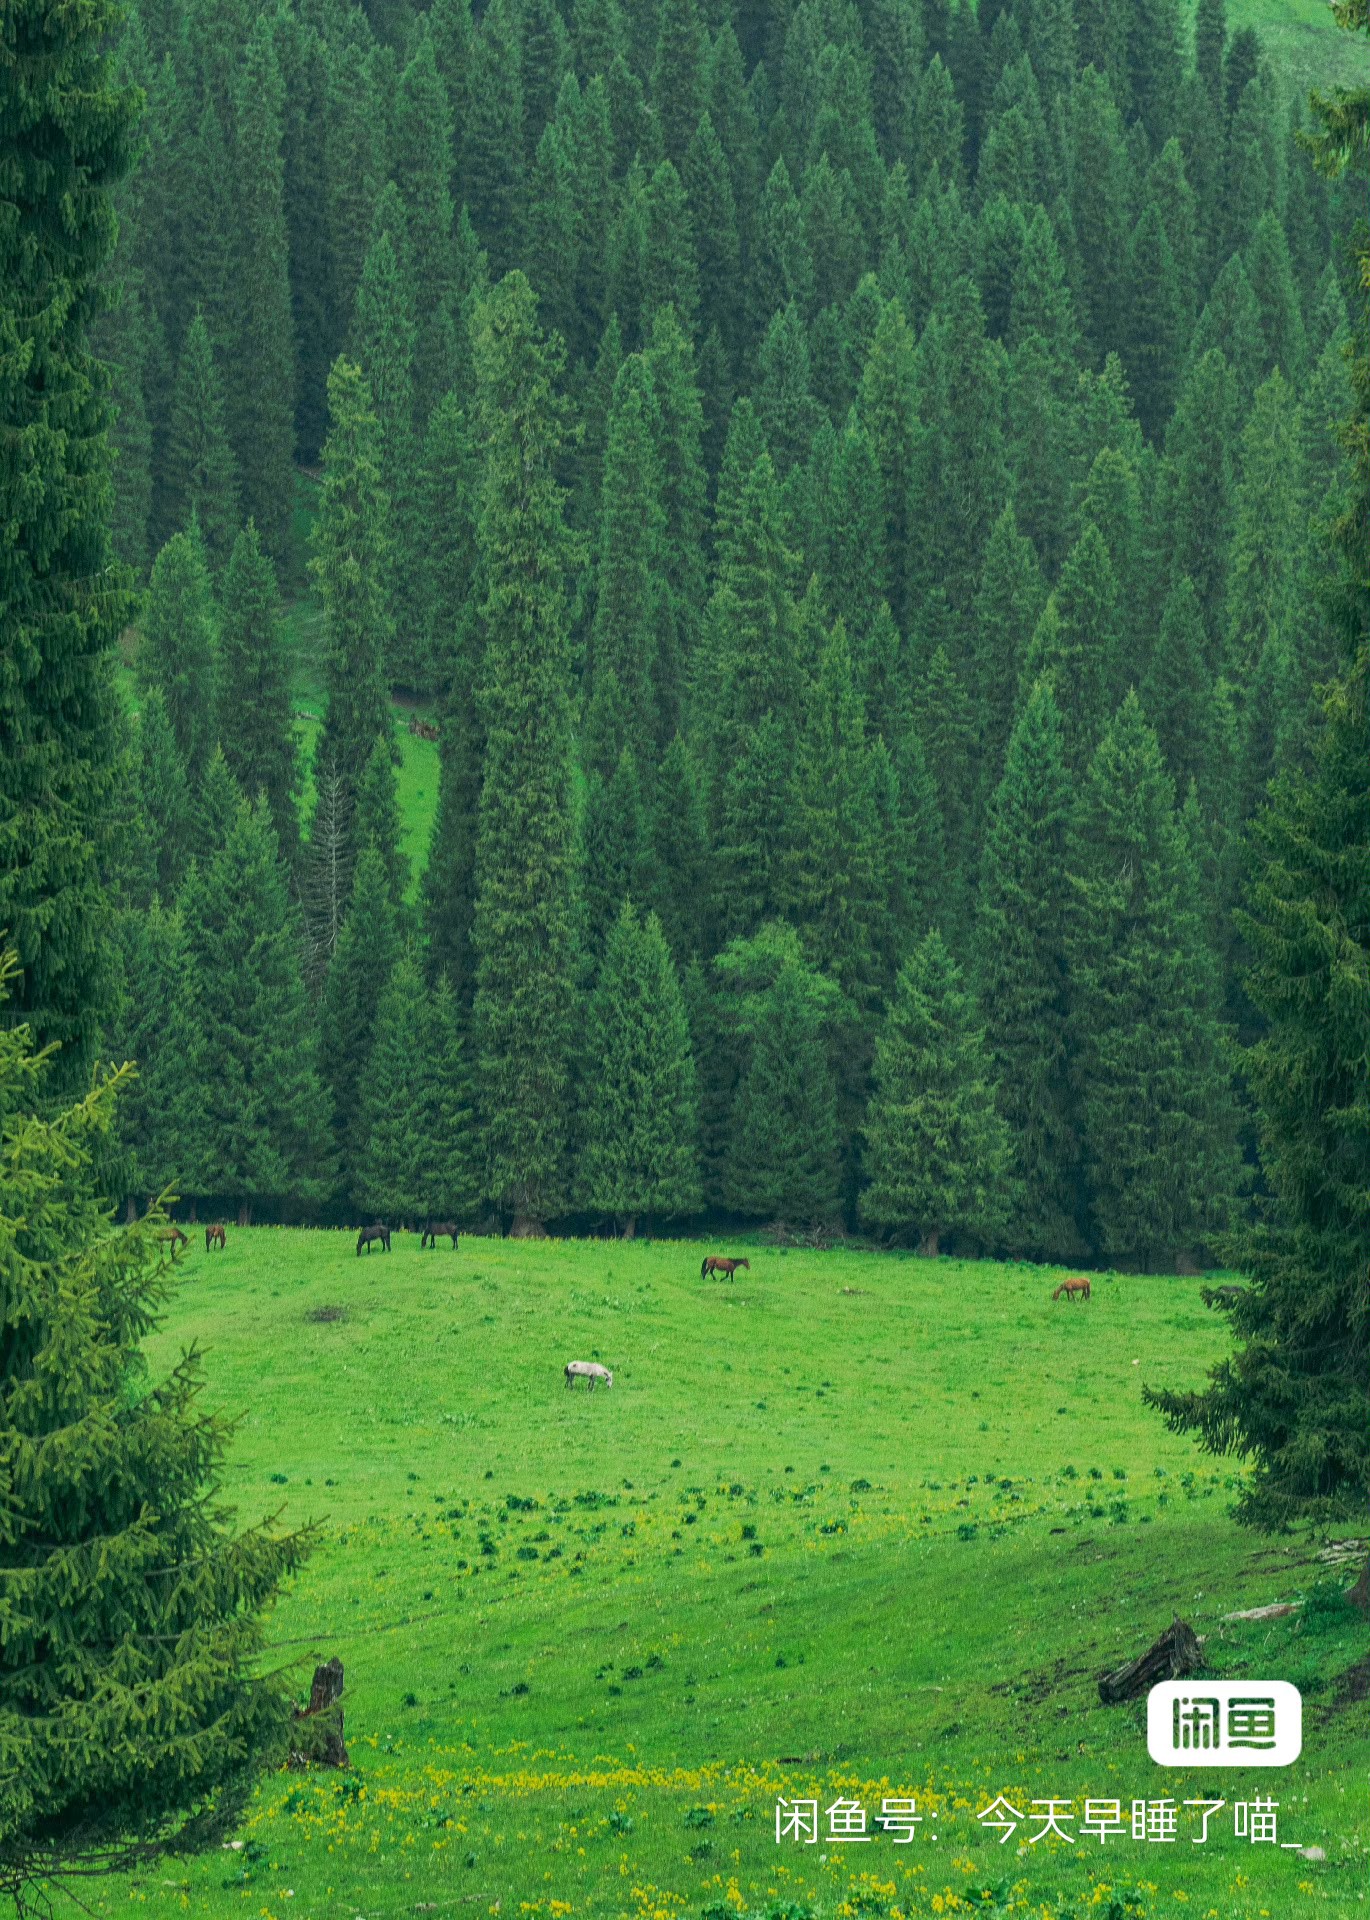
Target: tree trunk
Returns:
[130, 1210]
[245, 1214]
[321, 1743]
[194, 1216]
[525, 1227]
[1175, 1654]
[628, 1230]
[927, 1246]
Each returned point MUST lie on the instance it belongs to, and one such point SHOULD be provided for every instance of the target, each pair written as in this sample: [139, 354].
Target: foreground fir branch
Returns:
[133, 1706]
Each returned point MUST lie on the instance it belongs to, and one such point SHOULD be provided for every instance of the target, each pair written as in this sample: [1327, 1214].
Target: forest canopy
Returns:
[849, 482]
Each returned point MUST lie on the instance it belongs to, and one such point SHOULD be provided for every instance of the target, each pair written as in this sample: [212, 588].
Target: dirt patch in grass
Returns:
[320, 1315]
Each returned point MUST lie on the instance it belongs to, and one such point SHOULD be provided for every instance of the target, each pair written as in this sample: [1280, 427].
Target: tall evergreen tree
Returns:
[261, 383]
[523, 932]
[253, 1064]
[179, 648]
[362, 961]
[1292, 1399]
[938, 1152]
[256, 721]
[61, 154]
[1022, 980]
[201, 475]
[783, 1159]
[101, 1773]
[1154, 1100]
[351, 562]
[640, 1122]
[163, 794]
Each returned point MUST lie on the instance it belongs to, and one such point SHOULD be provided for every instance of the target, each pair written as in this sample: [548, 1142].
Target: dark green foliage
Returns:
[201, 474]
[1154, 1102]
[256, 724]
[937, 1151]
[164, 795]
[362, 959]
[351, 562]
[60, 156]
[261, 381]
[492, 158]
[114, 1483]
[523, 929]
[782, 1164]
[179, 647]
[376, 820]
[1022, 979]
[261, 1127]
[415, 1154]
[449, 507]
[639, 1123]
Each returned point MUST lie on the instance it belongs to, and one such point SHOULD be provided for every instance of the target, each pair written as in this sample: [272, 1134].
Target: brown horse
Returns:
[173, 1237]
[215, 1237]
[370, 1234]
[1070, 1288]
[437, 1229]
[717, 1264]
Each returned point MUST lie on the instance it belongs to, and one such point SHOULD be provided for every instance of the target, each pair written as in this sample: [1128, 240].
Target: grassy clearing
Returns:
[854, 1524]
[1303, 40]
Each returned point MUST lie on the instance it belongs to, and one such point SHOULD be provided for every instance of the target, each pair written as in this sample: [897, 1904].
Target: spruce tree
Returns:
[449, 493]
[261, 382]
[256, 719]
[351, 562]
[163, 793]
[450, 1184]
[523, 931]
[1008, 603]
[1022, 981]
[1292, 1398]
[783, 1159]
[1196, 484]
[640, 1122]
[362, 960]
[384, 335]
[492, 160]
[178, 651]
[117, 1485]
[391, 1147]
[630, 592]
[61, 150]
[938, 1153]
[201, 476]
[376, 820]
[1154, 1100]
[253, 1061]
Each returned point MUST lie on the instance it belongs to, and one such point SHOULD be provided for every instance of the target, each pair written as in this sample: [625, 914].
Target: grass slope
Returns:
[855, 1524]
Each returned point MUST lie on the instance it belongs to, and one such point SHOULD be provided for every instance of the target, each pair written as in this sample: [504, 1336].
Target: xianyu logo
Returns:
[1224, 1723]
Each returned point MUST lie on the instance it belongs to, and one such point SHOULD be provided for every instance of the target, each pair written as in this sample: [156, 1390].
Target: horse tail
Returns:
[703, 1267]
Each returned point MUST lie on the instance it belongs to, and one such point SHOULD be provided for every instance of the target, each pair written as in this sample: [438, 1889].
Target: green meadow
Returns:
[853, 1526]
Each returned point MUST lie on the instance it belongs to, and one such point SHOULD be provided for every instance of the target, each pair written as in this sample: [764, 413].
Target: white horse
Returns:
[589, 1370]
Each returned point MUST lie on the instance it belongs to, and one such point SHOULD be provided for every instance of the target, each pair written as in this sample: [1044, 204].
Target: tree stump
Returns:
[316, 1738]
[1176, 1653]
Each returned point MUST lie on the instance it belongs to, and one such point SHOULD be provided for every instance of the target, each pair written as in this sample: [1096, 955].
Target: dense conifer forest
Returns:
[850, 479]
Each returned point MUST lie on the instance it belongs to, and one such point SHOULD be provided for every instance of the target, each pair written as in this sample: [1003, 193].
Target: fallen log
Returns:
[1277, 1610]
[1178, 1651]
[316, 1737]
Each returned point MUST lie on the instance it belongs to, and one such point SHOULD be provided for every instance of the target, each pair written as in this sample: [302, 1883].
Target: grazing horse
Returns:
[1079, 1285]
[173, 1237]
[215, 1237]
[588, 1370]
[368, 1234]
[435, 1230]
[717, 1264]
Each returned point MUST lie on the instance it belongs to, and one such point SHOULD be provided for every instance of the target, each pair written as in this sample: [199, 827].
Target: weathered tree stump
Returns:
[316, 1738]
[1176, 1653]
